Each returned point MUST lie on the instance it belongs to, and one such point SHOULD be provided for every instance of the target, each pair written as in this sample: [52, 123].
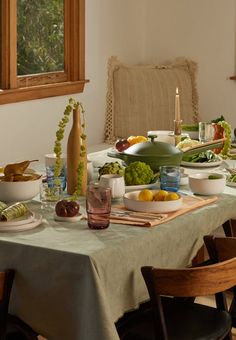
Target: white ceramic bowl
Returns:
[19, 191]
[132, 203]
[200, 183]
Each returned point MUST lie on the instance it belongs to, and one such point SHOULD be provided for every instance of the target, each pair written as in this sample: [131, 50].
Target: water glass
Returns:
[98, 206]
[50, 161]
[49, 196]
[170, 178]
[206, 132]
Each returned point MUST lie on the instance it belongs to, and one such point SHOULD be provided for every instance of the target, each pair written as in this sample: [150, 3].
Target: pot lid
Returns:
[152, 148]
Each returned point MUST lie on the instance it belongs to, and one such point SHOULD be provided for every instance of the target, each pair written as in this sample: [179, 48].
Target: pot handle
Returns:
[152, 137]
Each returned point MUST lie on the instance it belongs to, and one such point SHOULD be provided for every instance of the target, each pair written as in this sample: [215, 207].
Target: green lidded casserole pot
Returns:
[152, 152]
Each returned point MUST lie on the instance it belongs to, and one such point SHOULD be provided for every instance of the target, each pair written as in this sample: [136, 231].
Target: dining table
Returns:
[74, 283]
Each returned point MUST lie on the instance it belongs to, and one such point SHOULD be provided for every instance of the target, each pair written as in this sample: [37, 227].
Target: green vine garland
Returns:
[227, 144]
[73, 105]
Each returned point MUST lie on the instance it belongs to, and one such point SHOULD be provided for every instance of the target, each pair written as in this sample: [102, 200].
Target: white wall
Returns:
[203, 30]
[134, 30]
[27, 129]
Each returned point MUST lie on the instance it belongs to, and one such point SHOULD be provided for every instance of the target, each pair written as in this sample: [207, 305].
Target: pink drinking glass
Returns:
[98, 206]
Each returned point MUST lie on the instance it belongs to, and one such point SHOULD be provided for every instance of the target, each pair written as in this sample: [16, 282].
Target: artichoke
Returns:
[111, 168]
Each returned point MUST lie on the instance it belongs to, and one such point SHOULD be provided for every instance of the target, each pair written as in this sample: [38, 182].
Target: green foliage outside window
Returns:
[40, 36]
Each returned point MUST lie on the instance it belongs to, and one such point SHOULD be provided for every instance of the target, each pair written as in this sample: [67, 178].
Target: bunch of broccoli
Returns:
[138, 173]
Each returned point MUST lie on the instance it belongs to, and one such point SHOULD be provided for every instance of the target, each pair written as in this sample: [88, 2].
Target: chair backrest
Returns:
[190, 282]
[141, 98]
[187, 282]
[220, 248]
[6, 281]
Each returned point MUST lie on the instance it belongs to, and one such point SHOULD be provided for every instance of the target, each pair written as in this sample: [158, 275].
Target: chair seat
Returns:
[19, 330]
[200, 322]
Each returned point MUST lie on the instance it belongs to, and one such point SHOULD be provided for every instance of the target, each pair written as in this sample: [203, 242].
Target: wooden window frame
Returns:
[15, 88]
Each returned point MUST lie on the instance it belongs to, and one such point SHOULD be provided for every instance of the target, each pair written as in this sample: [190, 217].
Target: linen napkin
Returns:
[119, 214]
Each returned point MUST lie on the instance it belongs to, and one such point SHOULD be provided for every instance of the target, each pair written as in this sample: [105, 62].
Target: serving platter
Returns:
[37, 220]
[231, 184]
[201, 165]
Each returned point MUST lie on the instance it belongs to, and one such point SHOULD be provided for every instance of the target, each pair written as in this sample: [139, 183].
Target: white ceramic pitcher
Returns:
[115, 182]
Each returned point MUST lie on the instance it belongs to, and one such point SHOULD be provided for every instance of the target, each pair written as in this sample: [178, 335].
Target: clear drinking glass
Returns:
[50, 162]
[206, 132]
[170, 178]
[98, 206]
[49, 196]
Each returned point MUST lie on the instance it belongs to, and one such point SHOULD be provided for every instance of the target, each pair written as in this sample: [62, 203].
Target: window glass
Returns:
[40, 36]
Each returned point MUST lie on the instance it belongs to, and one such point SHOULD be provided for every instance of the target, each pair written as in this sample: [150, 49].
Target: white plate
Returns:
[141, 187]
[68, 219]
[26, 218]
[201, 165]
[33, 224]
[231, 184]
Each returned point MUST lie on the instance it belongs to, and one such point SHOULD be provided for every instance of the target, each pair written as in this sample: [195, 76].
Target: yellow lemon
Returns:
[145, 195]
[1, 169]
[172, 196]
[160, 195]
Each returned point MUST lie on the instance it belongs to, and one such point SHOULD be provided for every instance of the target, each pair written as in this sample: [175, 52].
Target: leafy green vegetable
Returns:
[138, 173]
[190, 127]
[232, 178]
[217, 120]
[202, 157]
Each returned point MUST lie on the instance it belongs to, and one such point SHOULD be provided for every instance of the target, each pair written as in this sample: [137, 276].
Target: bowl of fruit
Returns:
[155, 201]
[18, 184]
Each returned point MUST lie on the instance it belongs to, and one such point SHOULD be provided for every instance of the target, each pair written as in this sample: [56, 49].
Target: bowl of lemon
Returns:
[154, 201]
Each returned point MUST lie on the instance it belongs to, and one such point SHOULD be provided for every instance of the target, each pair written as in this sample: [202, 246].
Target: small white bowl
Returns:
[19, 191]
[200, 183]
[132, 203]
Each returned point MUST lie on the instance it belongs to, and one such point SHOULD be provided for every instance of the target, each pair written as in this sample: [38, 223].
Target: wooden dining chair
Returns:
[11, 327]
[172, 317]
[221, 249]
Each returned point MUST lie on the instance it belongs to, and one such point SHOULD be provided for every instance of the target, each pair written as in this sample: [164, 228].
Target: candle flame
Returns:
[177, 90]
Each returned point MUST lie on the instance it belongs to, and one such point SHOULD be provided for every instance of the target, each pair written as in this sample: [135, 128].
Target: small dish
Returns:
[131, 202]
[76, 218]
[202, 184]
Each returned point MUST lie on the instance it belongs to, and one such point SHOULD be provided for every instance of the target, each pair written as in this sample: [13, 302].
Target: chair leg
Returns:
[227, 226]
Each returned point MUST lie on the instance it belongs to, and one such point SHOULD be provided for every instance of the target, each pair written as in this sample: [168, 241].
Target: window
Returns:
[41, 48]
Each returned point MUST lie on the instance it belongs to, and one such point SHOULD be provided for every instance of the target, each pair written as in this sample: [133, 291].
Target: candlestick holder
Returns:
[177, 131]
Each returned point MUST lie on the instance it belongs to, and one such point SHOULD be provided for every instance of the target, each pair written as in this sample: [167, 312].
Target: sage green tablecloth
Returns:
[73, 283]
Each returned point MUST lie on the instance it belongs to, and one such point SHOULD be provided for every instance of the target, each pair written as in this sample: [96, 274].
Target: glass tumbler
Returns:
[170, 178]
[50, 162]
[98, 206]
[206, 132]
[49, 196]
